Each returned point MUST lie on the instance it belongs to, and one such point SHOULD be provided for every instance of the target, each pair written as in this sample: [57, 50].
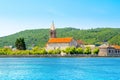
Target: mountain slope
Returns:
[39, 37]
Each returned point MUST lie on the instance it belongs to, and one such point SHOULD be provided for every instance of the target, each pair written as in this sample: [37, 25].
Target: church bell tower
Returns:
[52, 31]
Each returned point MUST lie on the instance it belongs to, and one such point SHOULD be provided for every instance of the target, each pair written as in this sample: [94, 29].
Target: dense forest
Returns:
[39, 37]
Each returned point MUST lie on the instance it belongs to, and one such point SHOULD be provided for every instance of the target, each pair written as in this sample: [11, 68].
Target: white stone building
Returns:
[60, 43]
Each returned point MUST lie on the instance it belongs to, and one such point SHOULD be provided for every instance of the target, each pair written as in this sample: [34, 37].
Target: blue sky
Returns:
[19, 15]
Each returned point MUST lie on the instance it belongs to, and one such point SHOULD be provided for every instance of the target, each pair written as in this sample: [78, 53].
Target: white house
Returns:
[61, 43]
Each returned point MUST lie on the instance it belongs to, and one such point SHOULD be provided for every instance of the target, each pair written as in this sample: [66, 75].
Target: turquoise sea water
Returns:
[59, 68]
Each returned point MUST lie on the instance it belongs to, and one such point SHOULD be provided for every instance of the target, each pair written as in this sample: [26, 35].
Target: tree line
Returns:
[42, 51]
[21, 50]
[39, 37]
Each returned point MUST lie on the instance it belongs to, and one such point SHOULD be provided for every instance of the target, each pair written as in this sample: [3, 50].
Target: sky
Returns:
[20, 15]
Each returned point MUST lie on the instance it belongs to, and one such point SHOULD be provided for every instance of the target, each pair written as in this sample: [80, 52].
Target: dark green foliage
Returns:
[95, 51]
[56, 51]
[70, 50]
[5, 51]
[39, 37]
[37, 51]
[87, 50]
[41, 51]
[115, 40]
[79, 50]
[20, 44]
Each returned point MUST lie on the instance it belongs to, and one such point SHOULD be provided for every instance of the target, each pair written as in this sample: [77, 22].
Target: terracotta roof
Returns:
[80, 42]
[60, 40]
[116, 47]
[112, 46]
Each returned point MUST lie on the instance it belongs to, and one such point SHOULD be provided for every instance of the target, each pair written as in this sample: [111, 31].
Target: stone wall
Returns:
[52, 46]
[109, 51]
[73, 43]
[102, 52]
[113, 52]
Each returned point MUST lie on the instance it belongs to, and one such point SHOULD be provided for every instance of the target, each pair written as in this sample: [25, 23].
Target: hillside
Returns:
[39, 37]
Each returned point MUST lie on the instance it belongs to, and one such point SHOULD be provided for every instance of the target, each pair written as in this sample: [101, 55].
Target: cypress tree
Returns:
[20, 44]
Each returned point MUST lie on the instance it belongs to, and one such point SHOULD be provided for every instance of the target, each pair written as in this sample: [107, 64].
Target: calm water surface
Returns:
[59, 68]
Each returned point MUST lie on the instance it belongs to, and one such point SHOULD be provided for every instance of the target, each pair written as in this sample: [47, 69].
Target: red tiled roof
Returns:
[116, 47]
[80, 42]
[112, 46]
[60, 40]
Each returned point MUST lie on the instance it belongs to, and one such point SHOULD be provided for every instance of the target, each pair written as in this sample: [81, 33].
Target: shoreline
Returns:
[57, 55]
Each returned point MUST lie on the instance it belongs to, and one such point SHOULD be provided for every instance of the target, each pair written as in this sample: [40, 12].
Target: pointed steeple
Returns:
[52, 26]
[52, 31]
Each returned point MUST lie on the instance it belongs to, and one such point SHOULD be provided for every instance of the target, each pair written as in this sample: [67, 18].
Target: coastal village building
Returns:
[80, 43]
[109, 50]
[61, 43]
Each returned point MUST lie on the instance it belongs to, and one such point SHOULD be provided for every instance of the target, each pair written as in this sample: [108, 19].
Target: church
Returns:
[59, 43]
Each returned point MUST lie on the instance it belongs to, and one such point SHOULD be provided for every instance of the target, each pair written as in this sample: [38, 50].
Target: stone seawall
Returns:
[57, 55]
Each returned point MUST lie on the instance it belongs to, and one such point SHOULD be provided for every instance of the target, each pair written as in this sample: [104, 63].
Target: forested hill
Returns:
[39, 37]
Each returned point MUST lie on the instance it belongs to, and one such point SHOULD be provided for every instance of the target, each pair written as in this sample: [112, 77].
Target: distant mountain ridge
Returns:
[39, 37]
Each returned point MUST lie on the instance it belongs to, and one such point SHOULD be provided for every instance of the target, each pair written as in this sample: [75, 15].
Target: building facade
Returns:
[113, 50]
[60, 43]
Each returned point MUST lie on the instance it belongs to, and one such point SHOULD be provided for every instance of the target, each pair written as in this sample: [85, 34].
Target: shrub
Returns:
[79, 50]
[69, 50]
[96, 51]
[87, 50]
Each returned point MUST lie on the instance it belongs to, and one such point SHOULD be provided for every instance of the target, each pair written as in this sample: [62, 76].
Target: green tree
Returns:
[70, 50]
[67, 50]
[43, 51]
[39, 37]
[95, 51]
[36, 48]
[79, 50]
[38, 51]
[56, 51]
[20, 44]
[51, 52]
[87, 50]
[5, 51]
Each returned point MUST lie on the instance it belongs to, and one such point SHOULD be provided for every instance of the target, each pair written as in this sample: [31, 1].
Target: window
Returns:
[109, 51]
[115, 51]
[118, 51]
